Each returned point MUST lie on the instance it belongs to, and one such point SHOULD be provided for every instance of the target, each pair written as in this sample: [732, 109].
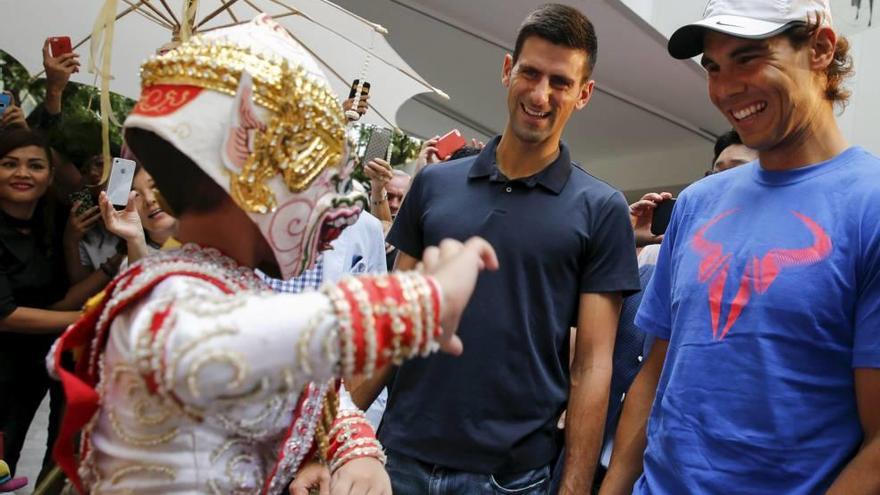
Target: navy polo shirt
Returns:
[558, 234]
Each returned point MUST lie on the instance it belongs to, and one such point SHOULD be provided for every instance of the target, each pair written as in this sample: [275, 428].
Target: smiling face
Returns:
[25, 175]
[544, 86]
[765, 88]
[156, 222]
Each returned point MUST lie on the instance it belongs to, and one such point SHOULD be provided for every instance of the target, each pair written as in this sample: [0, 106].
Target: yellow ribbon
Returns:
[102, 40]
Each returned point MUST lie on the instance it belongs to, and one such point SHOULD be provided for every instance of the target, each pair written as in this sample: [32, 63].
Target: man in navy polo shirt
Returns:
[566, 247]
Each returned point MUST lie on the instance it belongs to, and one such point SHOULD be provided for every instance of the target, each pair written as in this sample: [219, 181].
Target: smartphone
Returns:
[85, 198]
[119, 185]
[377, 146]
[365, 90]
[451, 142]
[662, 214]
[59, 45]
[5, 101]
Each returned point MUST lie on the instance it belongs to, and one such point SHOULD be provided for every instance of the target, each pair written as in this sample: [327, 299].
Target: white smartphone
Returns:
[119, 185]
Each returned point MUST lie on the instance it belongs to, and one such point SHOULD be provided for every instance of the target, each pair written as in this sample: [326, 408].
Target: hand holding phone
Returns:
[5, 101]
[355, 112]
[59, 45]
[662, 215]
[85, 198]
[449, 143]
[377, 146]
[119, 185]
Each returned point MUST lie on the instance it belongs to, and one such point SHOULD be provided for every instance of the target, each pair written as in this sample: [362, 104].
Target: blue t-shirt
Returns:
[768, 289]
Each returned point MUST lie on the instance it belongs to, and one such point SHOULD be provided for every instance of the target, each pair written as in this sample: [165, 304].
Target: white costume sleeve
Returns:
[211, 350]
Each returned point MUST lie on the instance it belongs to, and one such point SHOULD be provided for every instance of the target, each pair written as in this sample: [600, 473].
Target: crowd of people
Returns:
[253, 322]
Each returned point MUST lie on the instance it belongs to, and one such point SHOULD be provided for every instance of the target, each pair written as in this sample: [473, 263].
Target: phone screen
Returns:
[662, 214]
[5, 101]
[121, 176]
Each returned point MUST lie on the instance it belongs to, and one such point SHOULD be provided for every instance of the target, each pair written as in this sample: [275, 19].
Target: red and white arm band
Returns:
[385, 319]
[352, 437]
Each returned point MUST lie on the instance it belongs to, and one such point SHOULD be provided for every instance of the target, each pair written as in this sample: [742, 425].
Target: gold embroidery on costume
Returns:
[233, 360]
[139, 441]
[152, 469]
[149, 409]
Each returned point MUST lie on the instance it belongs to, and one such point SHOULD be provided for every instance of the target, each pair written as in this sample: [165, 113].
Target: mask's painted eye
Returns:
[342, 184]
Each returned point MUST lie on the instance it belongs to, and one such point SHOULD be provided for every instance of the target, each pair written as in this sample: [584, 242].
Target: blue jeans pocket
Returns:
[523, 483]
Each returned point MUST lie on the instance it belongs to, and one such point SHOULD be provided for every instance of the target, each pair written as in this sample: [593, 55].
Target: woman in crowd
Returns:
[144, 225]
[36, 302]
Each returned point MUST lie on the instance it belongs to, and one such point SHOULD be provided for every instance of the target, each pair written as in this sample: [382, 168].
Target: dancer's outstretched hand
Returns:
[455, 267]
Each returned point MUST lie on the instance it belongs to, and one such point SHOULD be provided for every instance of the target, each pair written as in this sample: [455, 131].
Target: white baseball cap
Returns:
[752, 19]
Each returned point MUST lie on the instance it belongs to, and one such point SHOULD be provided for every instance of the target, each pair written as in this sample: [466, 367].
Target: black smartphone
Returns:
[662, 214]
[365, 89]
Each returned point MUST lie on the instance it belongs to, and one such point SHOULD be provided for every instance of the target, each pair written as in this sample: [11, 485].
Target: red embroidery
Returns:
[164, 99]
[759, 273]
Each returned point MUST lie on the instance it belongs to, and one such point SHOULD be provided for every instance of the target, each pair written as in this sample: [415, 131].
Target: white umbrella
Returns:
[347, 46]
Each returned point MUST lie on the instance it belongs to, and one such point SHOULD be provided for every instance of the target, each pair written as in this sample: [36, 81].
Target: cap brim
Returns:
[687, 41]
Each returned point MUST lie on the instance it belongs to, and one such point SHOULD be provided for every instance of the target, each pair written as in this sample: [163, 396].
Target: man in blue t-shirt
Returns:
[766, 297]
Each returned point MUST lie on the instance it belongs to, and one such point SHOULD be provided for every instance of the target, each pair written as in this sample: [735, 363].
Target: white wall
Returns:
[860, 119]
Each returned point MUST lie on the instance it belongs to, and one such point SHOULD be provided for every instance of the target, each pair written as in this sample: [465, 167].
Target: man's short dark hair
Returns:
[729, 138]
[184, 186]
[560, 25]
[463, 152]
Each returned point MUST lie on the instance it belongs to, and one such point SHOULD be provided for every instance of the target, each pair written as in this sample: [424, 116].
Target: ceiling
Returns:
[649, 125]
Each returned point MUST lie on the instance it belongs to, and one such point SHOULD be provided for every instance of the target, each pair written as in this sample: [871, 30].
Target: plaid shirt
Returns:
[309, 280]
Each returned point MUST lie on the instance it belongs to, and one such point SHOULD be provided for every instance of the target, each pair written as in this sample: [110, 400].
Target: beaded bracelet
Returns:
[385, 319]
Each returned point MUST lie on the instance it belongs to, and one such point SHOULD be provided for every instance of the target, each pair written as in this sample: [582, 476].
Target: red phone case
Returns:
[451, 142]
[59, 45]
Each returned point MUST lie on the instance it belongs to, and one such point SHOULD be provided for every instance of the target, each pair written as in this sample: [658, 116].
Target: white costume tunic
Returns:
[203, 382]
[191, 377]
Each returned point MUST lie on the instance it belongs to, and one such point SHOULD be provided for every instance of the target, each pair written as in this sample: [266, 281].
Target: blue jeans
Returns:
[412, 477]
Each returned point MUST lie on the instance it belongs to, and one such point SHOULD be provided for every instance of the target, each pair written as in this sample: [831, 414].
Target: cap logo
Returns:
[722, 23]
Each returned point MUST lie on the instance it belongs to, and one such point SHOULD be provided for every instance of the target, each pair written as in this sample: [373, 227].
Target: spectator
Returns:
[88, 245]
[765, 301]
[397, 188]
[48, 117]
[428, 153]
[388, 188]
[731, 152]
[567, 252]
[35, 303]
[144, 224]
[58, 71]
[13, 117]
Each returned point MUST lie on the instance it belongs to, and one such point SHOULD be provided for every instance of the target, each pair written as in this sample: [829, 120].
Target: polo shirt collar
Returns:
[553, 177]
